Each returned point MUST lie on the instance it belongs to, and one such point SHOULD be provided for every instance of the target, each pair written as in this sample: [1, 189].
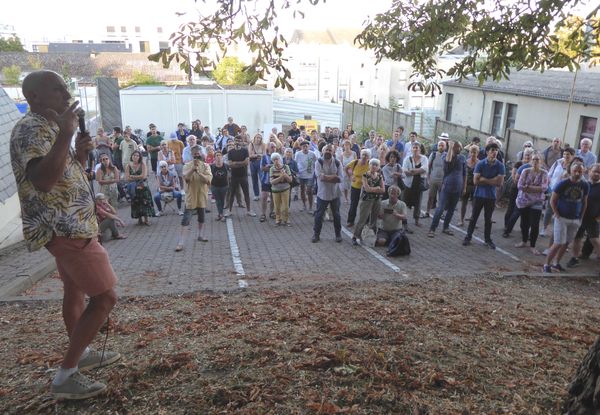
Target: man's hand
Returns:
[83, 146]
[67, 121]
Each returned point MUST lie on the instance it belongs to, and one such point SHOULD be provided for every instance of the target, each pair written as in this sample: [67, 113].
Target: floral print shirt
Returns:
[66, 210]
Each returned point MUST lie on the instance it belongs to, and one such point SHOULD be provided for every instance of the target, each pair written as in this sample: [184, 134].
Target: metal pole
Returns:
[570, 104]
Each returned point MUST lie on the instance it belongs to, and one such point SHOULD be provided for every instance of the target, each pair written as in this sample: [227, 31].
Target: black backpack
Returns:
[399, 245]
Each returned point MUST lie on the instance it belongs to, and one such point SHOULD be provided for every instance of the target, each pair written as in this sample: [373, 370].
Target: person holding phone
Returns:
[391, 212]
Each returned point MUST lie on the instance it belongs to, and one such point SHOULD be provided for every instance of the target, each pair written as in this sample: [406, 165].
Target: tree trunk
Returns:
[584, 390]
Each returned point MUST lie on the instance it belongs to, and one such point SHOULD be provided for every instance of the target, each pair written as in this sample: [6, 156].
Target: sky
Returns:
[56, 19]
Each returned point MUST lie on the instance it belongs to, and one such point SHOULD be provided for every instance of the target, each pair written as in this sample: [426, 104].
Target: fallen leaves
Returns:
[452, 347]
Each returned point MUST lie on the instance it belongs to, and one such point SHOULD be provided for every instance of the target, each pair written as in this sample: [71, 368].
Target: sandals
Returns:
[448, 232]
[263, 218]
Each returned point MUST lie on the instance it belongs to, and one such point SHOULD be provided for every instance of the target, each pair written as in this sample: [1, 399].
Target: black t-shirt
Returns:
[238, 155]
[294, 133]
[593, 204]
[219, 175]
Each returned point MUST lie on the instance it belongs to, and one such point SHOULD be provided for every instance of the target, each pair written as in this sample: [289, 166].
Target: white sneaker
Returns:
[180, 213]
[543, 232]
[256, 198]
[157, 213]
[227, 214]
[251, 213]
[77, 386]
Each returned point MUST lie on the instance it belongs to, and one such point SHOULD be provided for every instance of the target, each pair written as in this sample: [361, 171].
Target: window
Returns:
[511, 116]
[341, 94]
[123, 29]
[362, 65]
[361, 84]
[588, 128]
[77, 41]
[163, 45]
[159, 29]
[497, 117]
[137, 29]
[400, 103]
[375, 100]
[376, 72]
[326, 93]
[360, 100]
[110, 29]
[449, 101]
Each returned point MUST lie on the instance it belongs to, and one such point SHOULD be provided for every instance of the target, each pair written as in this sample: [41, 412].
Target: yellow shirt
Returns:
[196, 186]
[358, 172]
[67, 209]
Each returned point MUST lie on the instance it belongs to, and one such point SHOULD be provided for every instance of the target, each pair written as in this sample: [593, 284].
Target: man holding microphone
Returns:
[57, 207]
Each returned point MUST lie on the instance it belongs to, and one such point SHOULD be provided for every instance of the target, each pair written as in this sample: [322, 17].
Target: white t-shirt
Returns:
[306, 164]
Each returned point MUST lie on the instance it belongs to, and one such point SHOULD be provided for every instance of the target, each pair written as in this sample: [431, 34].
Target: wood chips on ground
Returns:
[460, 346]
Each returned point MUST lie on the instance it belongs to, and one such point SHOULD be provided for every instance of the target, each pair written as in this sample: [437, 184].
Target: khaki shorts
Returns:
[82, 264]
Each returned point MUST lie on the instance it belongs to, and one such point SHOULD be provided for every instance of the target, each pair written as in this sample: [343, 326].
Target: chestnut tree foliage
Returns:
[498, 36]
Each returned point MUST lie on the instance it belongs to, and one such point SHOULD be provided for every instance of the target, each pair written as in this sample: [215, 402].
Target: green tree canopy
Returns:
[498, 35]
[12, 44]
[230, 71]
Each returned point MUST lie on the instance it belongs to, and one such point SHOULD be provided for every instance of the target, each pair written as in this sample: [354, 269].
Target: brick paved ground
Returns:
[276, 256]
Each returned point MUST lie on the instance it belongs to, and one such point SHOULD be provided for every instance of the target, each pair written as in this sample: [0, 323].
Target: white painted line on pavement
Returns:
[376, 255]
[502, 251]
[235, 254]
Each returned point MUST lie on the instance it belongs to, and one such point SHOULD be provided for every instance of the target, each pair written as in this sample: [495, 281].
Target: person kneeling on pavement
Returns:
[168, 186]
[391, 212]
[107, 218]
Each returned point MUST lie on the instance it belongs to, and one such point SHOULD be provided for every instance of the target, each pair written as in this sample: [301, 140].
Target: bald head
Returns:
[35, 80]
[46, 89]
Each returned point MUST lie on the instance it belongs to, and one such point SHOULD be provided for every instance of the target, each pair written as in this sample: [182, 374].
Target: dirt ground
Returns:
[453, 346]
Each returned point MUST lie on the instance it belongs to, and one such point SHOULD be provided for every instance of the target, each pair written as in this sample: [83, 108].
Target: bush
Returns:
[141, 78]
[11, 74]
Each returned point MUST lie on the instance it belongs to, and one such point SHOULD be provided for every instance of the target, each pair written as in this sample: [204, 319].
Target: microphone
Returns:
[81, 117]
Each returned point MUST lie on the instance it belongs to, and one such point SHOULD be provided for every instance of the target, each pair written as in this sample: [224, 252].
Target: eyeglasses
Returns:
[103, 159]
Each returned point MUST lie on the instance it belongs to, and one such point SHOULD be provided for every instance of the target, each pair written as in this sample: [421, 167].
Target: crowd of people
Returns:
[381, 179]
[62, 213]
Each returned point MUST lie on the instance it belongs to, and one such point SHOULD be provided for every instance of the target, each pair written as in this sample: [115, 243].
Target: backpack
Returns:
[399, 245]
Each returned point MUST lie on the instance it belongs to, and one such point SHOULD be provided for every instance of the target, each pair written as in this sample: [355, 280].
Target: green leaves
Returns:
[11, 44]
[495, 35]
[517, 35]
[231, 25]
